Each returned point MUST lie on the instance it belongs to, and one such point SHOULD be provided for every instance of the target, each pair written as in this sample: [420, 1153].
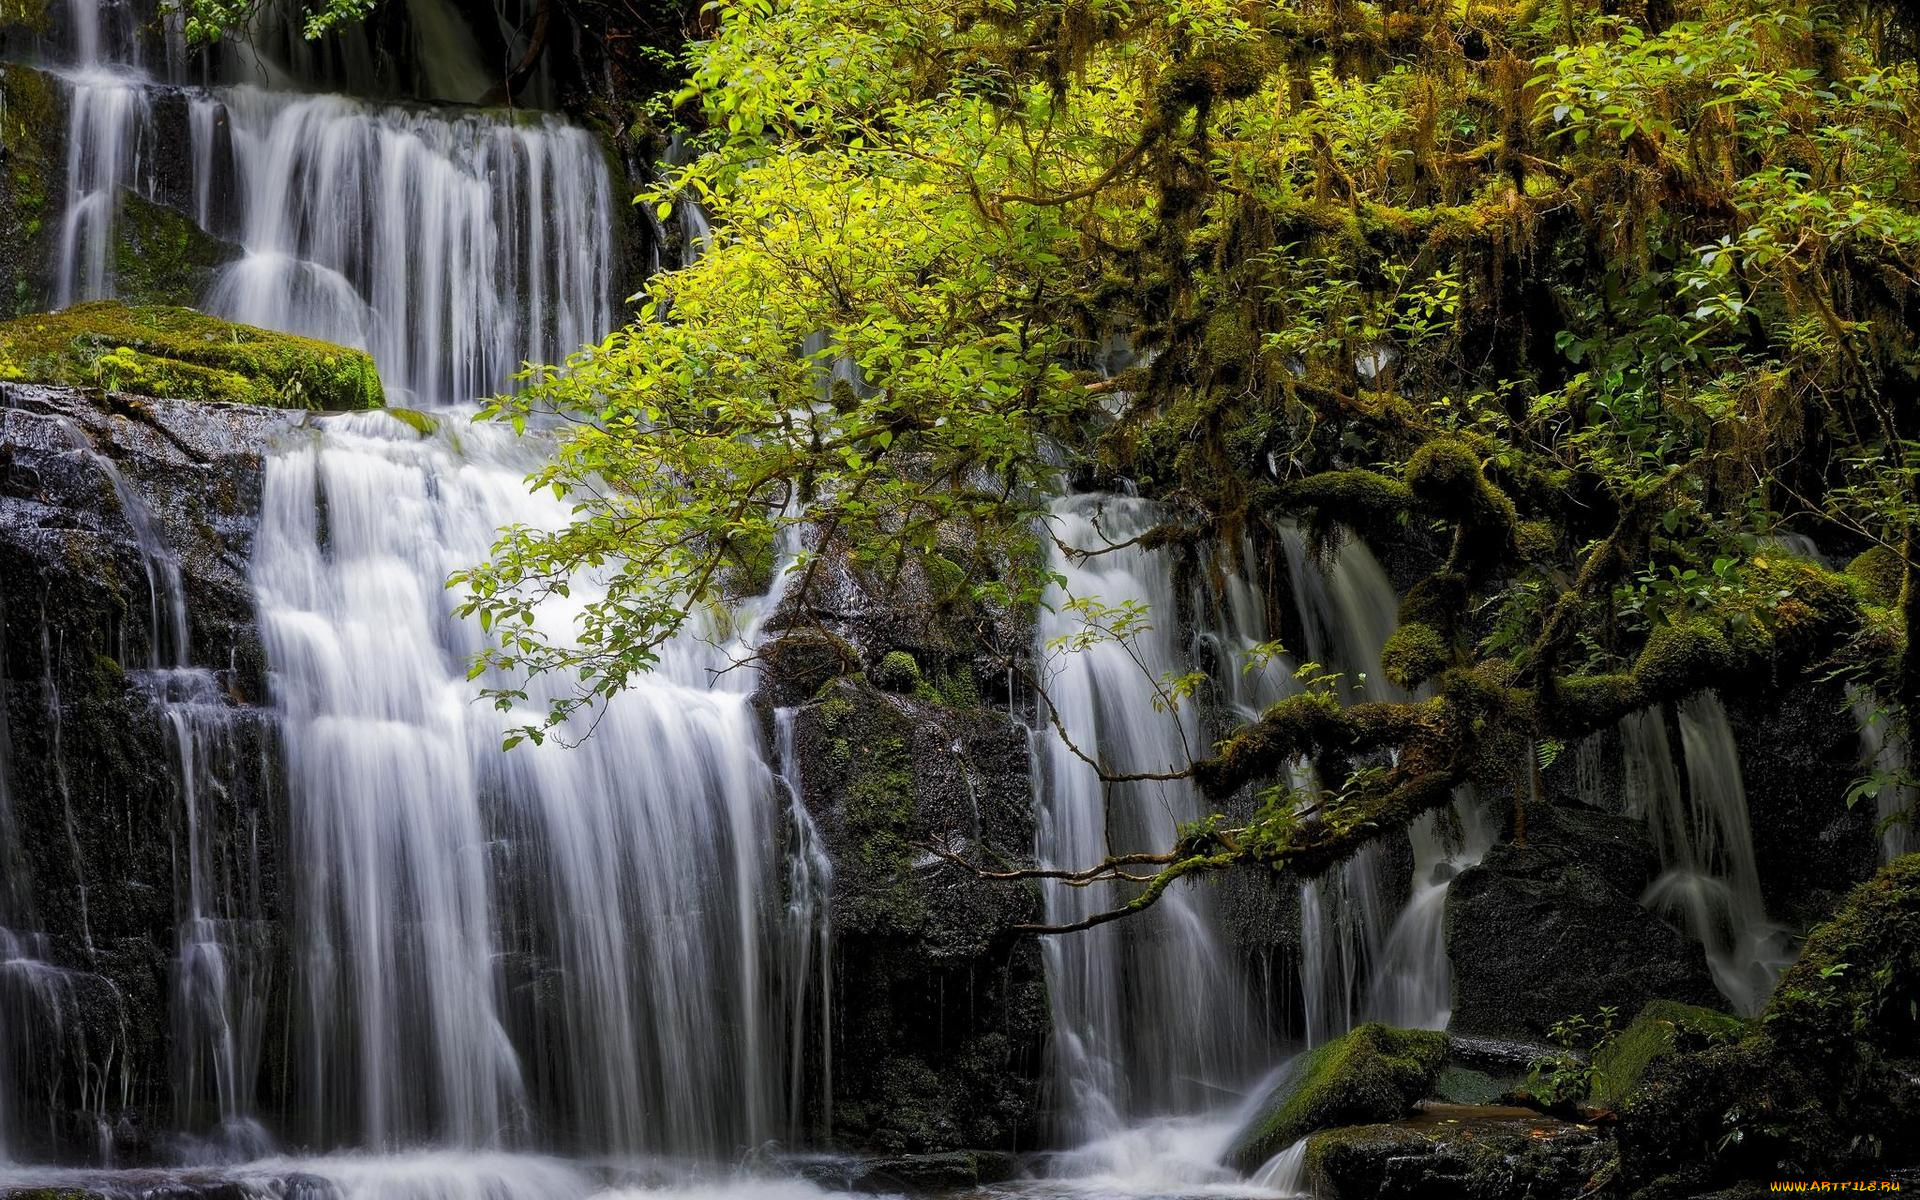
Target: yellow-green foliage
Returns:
[182, 354]
[1374, 1073]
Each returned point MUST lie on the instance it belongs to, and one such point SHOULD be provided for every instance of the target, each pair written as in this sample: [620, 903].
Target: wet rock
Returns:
[1795, 759]
[1373, 1073]
[162, 257]
[1553, 928]
[941, 1020]
[92, 852]
[1451, 1151]
[915, 1174]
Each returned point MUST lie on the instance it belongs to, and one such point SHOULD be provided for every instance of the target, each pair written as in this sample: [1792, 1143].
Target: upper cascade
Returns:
[453, 244]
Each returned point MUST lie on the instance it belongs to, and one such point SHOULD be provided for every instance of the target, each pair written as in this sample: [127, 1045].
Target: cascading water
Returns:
[1359, 959]
[1122, 994]
[1885, 754]
[623, 881]
[1709, 880]
[577, 948]
[1111, 984]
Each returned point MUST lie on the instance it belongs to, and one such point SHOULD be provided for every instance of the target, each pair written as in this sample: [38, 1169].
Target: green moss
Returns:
[1583, 703]
[161, 256]
[1464, 1085]
[1662, 1025]
[182, 354]
[30, 15]
[1536, 540]
[1372, 1074]
[31, 151]
[1879, 570]
[1414, 654]
[1444, 474]
[415, 420]
[1682, 658]
[1346, 493]
[897, 672]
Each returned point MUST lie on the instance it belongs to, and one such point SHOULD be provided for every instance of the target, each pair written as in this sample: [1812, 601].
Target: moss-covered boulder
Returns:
[1825, 1085]
[1374, 1073]
[182, 354]
[161, 257]
[1662, 1027]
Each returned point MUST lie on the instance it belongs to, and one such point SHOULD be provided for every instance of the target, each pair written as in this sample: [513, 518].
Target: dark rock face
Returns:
[940, 1024]
[1796, 758]
[1555, 927]
[95, 840]
[1449, 1152]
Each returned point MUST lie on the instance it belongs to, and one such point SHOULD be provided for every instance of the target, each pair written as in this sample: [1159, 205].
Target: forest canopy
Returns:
[1609, 305]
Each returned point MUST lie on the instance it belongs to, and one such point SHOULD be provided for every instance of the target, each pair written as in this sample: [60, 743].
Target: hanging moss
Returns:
[182, 354]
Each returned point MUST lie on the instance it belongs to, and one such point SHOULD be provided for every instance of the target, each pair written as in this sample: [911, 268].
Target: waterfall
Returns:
[1709, 880]
[503, 945]
[1885, 755]
[807, 949]
[453, 248]
[1359, 960]
[1124, 1040]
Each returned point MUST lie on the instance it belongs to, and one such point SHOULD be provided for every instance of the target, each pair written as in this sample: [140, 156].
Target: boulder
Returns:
[154, 350]
[1373, 1073]
[1554, 928]
[1455, 1151]
[1662, 1026]
[942, 1021]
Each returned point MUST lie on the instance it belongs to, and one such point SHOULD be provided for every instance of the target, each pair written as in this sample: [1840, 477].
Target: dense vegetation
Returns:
[1598, 303]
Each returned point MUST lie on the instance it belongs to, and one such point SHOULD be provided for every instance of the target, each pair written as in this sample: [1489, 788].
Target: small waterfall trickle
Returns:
[1709, 880]
[807, 944]
[1885, 754]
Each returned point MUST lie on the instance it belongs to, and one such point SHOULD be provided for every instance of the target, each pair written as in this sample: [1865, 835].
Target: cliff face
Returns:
[136, 766]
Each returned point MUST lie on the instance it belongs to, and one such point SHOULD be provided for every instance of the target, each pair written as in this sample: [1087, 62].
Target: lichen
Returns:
[182, 354]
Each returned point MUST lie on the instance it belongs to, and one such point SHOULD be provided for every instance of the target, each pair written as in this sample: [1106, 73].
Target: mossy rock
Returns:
[897, 672]
[185, 355]
[1375, 1073]
[32, 159]
[1661, 1026]
[161, 257]
[1879, 571]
